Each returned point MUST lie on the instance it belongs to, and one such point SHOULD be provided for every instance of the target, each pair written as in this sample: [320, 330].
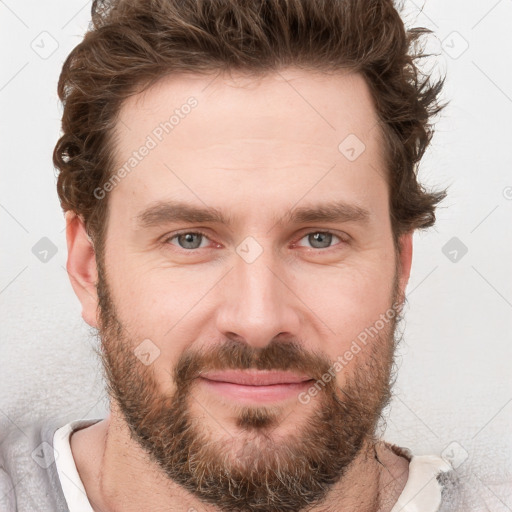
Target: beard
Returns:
[257, 470]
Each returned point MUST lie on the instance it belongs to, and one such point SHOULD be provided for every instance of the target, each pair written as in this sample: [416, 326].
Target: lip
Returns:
[255, 386]
[255, 377]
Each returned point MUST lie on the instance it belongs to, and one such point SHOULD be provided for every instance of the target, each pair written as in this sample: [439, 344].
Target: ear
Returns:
[405, 261]
[81, 267]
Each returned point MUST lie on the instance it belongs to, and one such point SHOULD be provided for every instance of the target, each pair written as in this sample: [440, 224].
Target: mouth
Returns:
[255, 386]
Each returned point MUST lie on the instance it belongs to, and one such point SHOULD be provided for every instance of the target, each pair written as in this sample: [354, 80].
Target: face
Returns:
[249, 286]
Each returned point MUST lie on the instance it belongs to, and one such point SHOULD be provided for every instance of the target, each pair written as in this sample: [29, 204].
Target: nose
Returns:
[258, 303]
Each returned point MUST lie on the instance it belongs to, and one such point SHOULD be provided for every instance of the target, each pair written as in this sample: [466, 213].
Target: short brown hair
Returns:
[131, 44]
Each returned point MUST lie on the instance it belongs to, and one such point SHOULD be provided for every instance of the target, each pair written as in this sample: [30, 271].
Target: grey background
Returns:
[453, 394]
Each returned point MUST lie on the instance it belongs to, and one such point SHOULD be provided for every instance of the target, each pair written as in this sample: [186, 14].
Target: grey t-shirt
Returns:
[29, 480]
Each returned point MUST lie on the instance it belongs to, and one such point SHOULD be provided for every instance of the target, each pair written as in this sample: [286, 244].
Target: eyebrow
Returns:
[178, 211]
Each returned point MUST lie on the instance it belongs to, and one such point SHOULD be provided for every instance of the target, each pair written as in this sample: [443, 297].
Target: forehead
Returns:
[209, 137]
[327, 106]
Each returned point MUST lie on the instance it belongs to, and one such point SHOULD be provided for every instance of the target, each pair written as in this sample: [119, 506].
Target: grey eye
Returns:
[320, 240]
[189, 240]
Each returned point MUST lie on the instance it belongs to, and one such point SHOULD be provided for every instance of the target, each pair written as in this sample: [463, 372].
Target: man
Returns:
[239, 181]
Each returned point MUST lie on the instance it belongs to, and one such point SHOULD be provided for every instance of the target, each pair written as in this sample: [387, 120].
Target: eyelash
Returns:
[343, 239]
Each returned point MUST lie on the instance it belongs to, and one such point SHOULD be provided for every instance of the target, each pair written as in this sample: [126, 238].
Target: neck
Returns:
[119, 476]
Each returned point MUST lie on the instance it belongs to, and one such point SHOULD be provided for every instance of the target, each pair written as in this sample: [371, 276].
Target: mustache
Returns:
[235, 355]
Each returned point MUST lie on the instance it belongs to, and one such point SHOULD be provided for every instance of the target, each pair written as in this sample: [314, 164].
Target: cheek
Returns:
[358, 308]
[162, 305]
[347, 299]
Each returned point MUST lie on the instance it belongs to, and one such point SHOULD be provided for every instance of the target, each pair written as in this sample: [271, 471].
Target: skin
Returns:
[255, 149]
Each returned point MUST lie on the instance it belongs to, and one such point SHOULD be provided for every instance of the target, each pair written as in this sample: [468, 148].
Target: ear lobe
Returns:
[81, 267]
[405, 262]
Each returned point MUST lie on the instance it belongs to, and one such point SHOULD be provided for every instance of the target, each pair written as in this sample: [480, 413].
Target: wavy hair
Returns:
[131, 44]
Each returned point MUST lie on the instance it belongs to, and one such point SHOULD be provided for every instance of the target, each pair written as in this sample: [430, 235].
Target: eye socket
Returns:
[325, 237]
[185, 237]
[191, 240]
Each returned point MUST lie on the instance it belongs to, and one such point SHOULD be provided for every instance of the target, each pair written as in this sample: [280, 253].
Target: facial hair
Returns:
[265, 473]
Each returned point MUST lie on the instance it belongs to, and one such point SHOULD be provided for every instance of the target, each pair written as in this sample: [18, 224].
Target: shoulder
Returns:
[28, 478]
[435, 485]
[430, 480]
